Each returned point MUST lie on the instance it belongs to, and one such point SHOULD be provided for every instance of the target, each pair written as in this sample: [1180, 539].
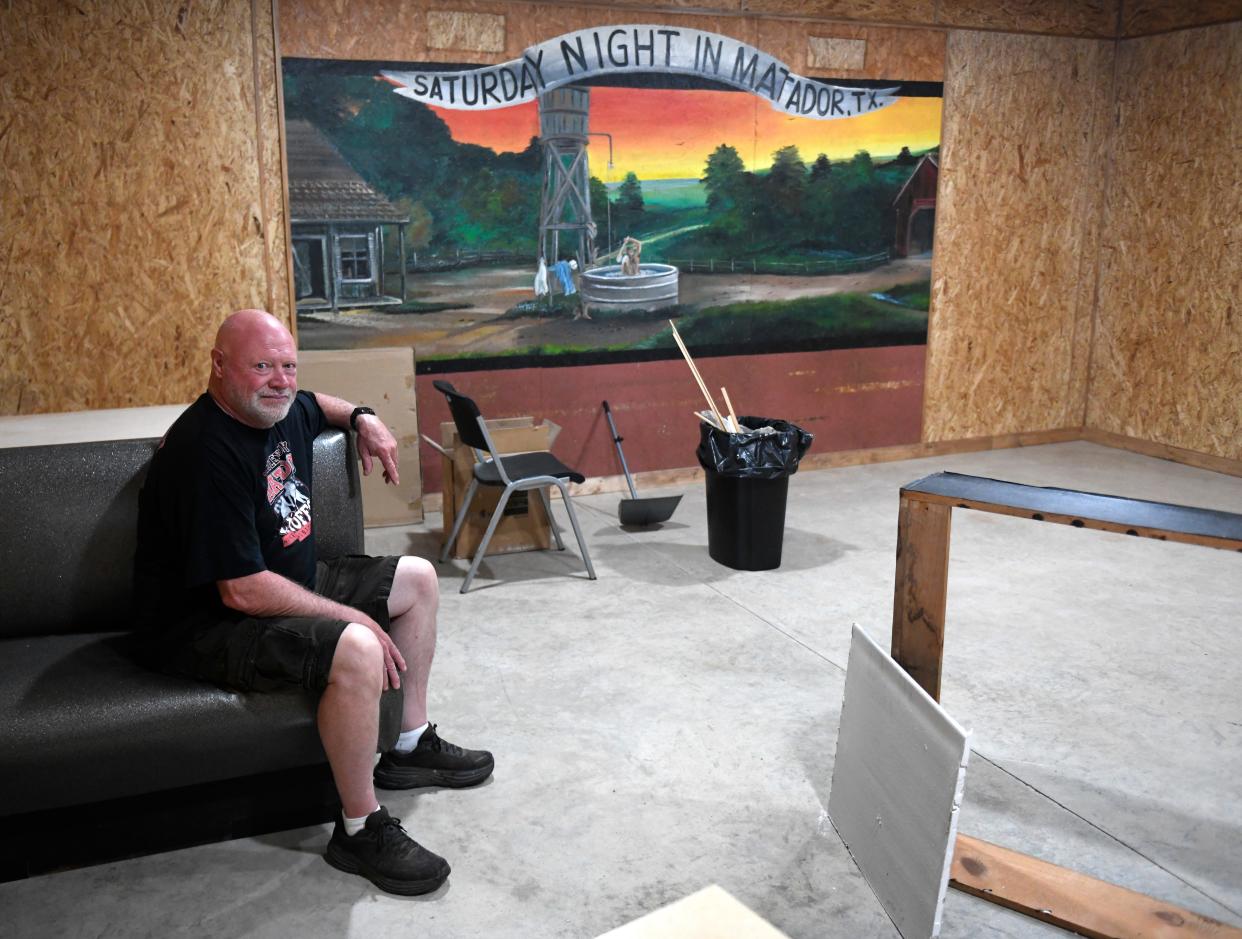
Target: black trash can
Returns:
[747, 478]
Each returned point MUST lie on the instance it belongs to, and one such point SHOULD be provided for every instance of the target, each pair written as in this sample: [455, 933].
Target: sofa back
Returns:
[68, 527]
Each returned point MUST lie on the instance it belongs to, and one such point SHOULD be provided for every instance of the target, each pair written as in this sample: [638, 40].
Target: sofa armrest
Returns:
[337, 495]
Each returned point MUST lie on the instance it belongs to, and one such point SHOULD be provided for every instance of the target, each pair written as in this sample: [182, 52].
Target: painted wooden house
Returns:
[338, 224]
[914, 209]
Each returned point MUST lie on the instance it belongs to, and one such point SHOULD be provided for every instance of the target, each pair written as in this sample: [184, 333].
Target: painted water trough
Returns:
[654, 286]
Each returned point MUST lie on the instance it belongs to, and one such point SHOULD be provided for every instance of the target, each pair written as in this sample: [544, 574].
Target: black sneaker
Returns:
[388, 857]
[433, 762]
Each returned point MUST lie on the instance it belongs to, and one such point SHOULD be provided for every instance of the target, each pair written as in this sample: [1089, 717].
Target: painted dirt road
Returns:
[476, 323]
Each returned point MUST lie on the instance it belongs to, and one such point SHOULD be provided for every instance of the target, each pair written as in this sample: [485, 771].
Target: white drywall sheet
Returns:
[896, 787]
[711, 913]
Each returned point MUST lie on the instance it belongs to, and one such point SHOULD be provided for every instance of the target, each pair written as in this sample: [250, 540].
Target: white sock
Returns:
[409, 739]
[355, 825]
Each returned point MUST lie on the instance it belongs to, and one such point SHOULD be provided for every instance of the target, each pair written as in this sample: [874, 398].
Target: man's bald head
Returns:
[246, 325]
[254, 368]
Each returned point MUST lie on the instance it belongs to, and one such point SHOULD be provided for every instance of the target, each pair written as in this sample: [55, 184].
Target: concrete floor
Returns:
[673, 725]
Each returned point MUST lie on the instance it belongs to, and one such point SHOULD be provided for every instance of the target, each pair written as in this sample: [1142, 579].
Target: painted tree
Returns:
[785, 187]
[627, 207]
[723, 178]
[630, 195]
[732, 195]
[601, 212]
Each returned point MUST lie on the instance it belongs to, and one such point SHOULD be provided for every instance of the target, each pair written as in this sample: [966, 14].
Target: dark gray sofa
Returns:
[81, 721]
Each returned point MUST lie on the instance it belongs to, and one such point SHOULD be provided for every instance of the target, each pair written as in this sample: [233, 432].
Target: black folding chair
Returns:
[515, 472]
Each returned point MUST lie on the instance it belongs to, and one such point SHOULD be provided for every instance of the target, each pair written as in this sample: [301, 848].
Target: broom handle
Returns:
[621, 453]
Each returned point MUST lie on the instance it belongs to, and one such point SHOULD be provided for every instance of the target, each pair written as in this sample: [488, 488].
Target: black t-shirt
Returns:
[223, 500]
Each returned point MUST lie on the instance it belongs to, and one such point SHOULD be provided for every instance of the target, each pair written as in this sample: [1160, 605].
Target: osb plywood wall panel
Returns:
[1167, 362]
[1142, 17]
[384, 30]
[905, 54]
[411, 32]
[134, 215]
[1022, 156]
[1089, 18]
[877, 11]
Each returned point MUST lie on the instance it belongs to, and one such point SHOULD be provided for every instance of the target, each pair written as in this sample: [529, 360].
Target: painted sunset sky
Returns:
[669, 133]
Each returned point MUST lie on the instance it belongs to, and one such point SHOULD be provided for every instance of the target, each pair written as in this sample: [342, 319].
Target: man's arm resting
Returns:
[268, 594]
[374, 438]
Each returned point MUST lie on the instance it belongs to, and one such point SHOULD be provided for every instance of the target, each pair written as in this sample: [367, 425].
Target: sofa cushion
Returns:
[83, 722]
[67, 544]
[70, 525]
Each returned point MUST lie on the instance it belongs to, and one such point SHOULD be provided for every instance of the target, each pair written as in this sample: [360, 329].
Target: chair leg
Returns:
[547, 508]
[460, 520]
[573, 520]
[487, 536]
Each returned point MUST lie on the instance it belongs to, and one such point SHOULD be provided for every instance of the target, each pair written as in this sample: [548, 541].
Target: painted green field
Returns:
[858, 317]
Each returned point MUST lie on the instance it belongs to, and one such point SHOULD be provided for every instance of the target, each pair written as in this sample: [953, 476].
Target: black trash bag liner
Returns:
[753, 455]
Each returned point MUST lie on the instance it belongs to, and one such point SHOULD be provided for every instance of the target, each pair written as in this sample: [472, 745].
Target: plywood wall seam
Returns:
[1099, 208]
[258, 151]
[284, 168]
[1167, 31]
[1017, 31]
[932, 317]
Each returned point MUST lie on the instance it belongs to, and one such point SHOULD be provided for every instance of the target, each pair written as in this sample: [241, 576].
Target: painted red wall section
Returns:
[849, 399]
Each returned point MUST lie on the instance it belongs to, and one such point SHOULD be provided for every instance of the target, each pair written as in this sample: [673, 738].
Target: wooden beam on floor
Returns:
[1071, 900]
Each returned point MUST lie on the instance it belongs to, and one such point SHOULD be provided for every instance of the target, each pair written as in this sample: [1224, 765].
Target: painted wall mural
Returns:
[562, 207]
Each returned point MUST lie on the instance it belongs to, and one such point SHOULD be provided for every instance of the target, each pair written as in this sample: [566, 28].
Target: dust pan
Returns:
[635, 511]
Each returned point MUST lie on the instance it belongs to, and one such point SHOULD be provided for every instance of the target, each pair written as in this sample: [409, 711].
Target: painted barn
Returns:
[338, 224]
[914, 210]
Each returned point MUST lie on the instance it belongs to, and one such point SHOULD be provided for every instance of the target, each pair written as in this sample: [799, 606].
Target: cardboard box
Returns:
[525, 525]
[383, 379]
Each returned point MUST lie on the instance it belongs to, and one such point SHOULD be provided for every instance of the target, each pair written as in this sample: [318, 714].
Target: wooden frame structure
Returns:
[1069, 899]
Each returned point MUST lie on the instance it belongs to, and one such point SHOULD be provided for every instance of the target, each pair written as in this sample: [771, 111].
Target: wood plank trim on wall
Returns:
[1207, 461]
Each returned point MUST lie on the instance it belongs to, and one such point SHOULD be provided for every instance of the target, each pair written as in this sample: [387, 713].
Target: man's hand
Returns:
[394, 664]
[375, 441]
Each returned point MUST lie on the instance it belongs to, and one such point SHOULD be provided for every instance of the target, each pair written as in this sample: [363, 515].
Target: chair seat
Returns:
[521, 471]
[522, 466]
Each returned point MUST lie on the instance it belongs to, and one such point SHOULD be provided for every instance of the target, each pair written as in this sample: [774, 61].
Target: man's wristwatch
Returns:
[358, 412]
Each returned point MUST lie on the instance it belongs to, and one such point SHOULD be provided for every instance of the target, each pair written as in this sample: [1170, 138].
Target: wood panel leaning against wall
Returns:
[138, 201]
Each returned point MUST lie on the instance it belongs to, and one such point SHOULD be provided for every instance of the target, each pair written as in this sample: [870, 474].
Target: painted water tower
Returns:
[566, 204]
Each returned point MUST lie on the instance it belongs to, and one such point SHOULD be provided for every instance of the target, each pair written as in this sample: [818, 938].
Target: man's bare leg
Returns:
[422, 759]
[413, 603]
[349, 717]
[367, 840]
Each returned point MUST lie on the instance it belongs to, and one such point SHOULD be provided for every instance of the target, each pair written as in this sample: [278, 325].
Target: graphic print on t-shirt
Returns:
[287, 495]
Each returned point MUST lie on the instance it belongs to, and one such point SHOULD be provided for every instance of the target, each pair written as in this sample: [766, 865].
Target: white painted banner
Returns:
[621, 50]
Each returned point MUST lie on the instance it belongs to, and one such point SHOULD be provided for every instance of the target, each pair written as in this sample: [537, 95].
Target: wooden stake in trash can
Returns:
[697, 377]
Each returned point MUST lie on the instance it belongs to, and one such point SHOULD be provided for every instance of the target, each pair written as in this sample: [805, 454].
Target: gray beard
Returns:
[265, 416]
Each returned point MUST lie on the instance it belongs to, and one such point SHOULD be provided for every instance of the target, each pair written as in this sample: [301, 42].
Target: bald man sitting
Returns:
[230, 590]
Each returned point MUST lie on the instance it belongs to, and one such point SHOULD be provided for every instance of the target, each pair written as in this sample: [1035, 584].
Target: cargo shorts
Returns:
[275, 653]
